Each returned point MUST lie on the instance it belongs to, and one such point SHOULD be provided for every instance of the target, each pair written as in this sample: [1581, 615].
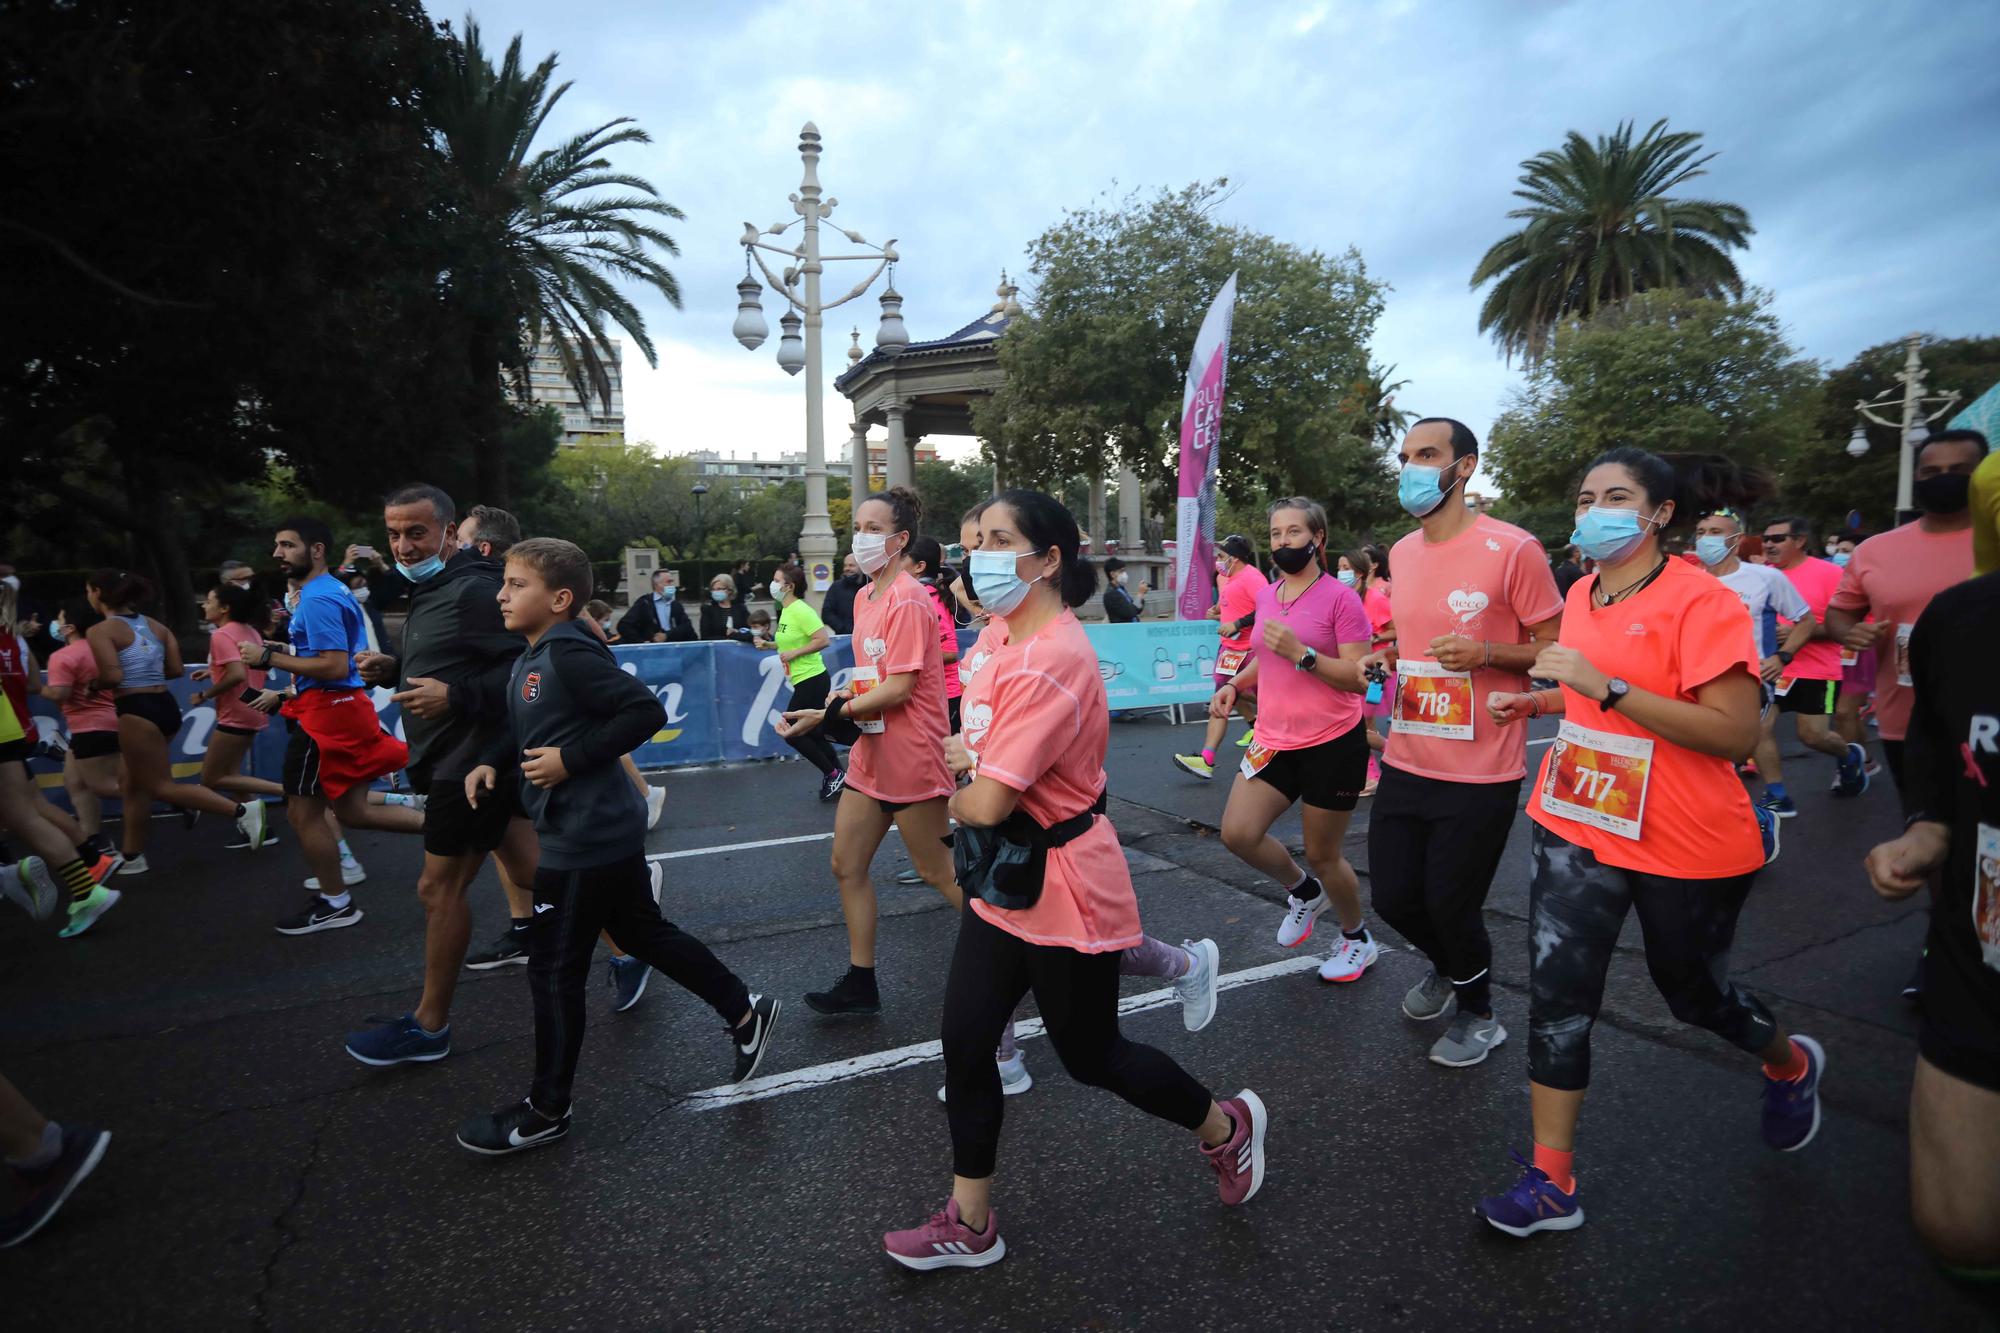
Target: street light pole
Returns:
[699, 489]
[1912, 423]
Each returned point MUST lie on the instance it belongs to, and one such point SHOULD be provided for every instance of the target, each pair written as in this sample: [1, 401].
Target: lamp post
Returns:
[800, 287]
[698, 490]
[1914, 414]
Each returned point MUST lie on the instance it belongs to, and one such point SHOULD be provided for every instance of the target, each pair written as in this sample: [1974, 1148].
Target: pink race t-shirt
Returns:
[1037, 720]
[1490, 582]
[1379, 602]
[1816, 580]
[896, 633]
[1239, 599]
[223, 648]
[1894, 576]
[85, 709]
[947, 643]
[1296, 711]
[992, 638]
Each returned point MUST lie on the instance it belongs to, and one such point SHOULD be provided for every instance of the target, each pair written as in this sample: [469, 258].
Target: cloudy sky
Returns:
[1863, 138]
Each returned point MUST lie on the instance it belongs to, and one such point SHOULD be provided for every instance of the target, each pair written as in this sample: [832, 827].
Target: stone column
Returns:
[1131, 529]
[1094, 520]
[901, 470]
[857, 463]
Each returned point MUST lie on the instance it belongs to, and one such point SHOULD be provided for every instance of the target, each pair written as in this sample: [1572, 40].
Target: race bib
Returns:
[1431, 701]
[1598, 778]
[1784, 686]
[1254, 760]
[1849, 657]
[864, 679]
[1986, 895]
[1903, 655]
[1231, 661]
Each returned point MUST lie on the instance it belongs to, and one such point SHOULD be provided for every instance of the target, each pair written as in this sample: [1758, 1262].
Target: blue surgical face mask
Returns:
[1346, 576]
[1841, 558]
[422, 570]
[995, 581]
[1418, 491]
[1713, 550]
[717, 595]
[1609, 535]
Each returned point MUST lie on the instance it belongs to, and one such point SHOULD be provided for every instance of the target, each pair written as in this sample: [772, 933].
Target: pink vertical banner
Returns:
[1201, 443]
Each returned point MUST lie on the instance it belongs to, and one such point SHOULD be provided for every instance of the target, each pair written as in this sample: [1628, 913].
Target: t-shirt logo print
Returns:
[874, 648]
[1467, 605]
[531, 687]
[978, 718]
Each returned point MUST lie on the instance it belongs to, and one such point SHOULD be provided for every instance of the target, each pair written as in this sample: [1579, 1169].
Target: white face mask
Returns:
[871, 551]
[1121, 578]
[778, 587]
[360, 594]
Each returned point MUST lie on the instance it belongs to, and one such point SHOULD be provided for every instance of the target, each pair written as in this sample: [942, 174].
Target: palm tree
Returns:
[1600, 227]
[539, 253]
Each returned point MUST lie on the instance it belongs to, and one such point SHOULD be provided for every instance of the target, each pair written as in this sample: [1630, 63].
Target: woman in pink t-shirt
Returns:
[1036, 728]
[923, 562]
[1311, 746]
[894, 699]
[90, 768]
[1358, 571]
[236, 616]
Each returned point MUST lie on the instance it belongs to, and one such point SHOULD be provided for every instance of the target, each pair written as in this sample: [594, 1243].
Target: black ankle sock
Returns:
[1307, 882]
[519, 924]
[100, 844]
[1361, 933]
[860, 976]
[87, 850]
[1475, 996]
[240, 812]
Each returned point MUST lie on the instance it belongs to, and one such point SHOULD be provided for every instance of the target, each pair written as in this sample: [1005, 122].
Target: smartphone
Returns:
[367, 551]
[955, 553]
[249, 695]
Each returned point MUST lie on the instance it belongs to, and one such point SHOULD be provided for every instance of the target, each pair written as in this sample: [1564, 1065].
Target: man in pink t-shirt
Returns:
[1473, 601]
[1238, 581]
[1809, 687]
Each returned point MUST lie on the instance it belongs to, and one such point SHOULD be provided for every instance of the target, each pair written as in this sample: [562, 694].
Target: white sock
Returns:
[345, 853]
[336, 903]
[45, 1152]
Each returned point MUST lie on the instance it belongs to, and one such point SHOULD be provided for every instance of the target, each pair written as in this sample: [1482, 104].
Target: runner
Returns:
[339, 746]
[1311, 747]
[239, 617]
[1474, 602]
[1637, 806]
[1809, 685]
[924, 561]
[1037, 726]
[1769, 597]
[799, 640]
[90, 762]
[895, 768]
[1357, 570]
[47, 1161]
[1240, 583]
[571, 713]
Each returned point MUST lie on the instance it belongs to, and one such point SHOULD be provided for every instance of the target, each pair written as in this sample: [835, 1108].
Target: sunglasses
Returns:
[1770, 537]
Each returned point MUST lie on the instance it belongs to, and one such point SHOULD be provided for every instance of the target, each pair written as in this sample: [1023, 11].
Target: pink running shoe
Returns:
[1239, 1163]
[946, 1242]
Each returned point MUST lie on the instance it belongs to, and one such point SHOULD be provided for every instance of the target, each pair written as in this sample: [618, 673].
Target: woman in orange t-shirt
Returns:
[1638, 806]
[895, 764]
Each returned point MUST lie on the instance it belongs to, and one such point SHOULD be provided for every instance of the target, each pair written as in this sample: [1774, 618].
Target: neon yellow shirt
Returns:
[797, 624]
[1986, 516]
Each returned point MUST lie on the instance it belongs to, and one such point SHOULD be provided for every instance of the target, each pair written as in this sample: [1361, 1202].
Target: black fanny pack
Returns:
[1005, 864]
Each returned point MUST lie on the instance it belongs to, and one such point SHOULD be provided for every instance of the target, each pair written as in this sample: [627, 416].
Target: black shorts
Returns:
[93, 744]
[1960, 1027]
[301, 775]
[454, 828]
[1327, 776]
[16, 751]
[158, 709]
[228, 730]
[1810, 698]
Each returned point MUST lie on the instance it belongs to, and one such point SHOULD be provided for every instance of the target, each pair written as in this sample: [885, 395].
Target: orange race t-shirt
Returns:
[896, 633]
[86, 709]
[1036, 718]
[1488, 583]
[1690, 812]
[1894, 576]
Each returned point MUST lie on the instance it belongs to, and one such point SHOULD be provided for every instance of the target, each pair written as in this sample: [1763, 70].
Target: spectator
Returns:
[657, 617]
[723, 615]
[1569, 571]
[357, 583]
[1120, 607]
[745, 581]
[837, 614]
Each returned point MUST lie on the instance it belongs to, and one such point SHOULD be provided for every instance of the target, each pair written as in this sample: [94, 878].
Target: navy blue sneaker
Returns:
[1534, 1204]
[396, 1041]
[43, 1192]
[1791, 1106]
[1852, 779]
[1767, 829]
[628, 982]
[1784, 807]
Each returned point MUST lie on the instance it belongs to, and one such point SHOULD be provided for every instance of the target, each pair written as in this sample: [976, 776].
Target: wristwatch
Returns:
[1615, 691]
[1308, 661]
[1784, 658]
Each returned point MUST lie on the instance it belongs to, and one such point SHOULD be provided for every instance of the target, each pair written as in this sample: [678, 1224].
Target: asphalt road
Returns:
[259, 1177]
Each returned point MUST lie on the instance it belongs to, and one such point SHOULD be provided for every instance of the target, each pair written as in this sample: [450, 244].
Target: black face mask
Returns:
[1947, 493]
[1292, 559]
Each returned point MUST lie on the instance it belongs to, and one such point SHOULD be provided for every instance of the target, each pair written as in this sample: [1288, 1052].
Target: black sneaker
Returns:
[44, 1191]
[852, 994]
[830, 785]
[511, 947]
[319, 915]
[763, 1021]
[1913, 989]
[511, 1129]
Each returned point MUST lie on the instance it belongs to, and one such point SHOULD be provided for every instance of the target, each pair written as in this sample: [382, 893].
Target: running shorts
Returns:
[1959, 1029]
[158, 709]
[16, 751]
[228, 730]
[454, 827]
[339, 744]
[1810, 698]
[93, 744]
[1327, 776]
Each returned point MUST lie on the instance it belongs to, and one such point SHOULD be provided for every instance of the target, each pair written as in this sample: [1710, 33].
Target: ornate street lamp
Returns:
[1915, 410]
[698, 490]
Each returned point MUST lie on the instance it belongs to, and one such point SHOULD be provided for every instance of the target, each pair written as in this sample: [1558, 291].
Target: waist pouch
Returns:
[1005, 864]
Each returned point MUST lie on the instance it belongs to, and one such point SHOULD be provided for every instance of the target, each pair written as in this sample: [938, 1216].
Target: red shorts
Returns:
[340, 744]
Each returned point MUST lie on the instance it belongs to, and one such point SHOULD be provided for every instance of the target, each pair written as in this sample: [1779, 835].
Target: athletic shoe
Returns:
[657, 874]
[763, 1022]
[398, 1041]
[1768, 829]
[909, 876]
[1468, 1041]
[242, 844]
[656, 804]
[27, 885]
[1874, 769]
[1300, 914]
[1196, 989]
[351, 874]
[830, 785]
[628, 977]
[849, 995]
[1429, 997]
[1784, 807]
[189, 818]
[106, 865]
[511, 947]
[1534, 1204]
[946, 1242]
[1791, 1106]
[511, 1129]
[253, 824]
[1243, 741]
[1852, 776]
[1239, 1162]
[1350, 958]
[47, 1189]
[84, 911]
[1014, 1077]
[1913, 989]
[1747, 769]
[1194, 765]
[319, 915]
[134, 865]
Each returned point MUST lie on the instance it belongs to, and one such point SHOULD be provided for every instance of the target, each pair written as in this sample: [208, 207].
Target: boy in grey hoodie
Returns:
[572, 713]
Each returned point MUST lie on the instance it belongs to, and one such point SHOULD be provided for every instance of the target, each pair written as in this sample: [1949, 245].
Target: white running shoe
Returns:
[656, 805]
[253, 823]
[351, 874]
[1014, 1077]
[1196, 990]
[659, 876]
[1297, 927]
[134, 865]
[1349, 959]
[27, 885]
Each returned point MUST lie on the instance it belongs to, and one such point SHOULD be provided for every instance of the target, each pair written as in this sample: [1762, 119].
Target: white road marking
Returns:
[746, 846]
[1546, 740]
[903, 1057]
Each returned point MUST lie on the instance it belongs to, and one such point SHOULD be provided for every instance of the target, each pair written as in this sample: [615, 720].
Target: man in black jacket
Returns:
[658, 618]
[838, 612]
[1119, 607]
[452, 674]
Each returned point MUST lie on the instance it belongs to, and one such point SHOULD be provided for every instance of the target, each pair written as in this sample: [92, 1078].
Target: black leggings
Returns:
[1432, 849]
[816, 749]
[571, 906]
[1077, 993]
[1576, 906]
